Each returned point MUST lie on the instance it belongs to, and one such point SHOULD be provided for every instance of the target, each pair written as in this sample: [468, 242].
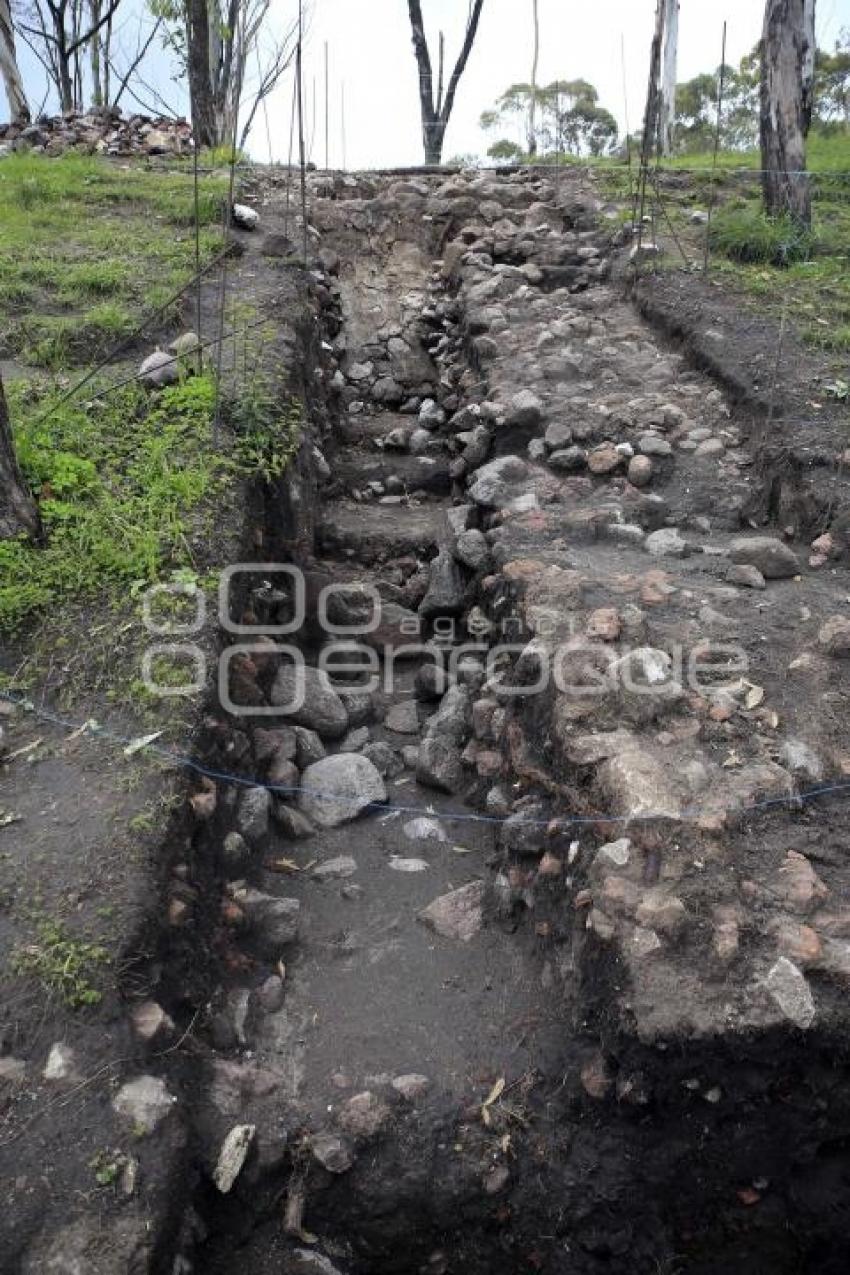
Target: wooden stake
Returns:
[301, 156]
[327, 115]
[717, 128]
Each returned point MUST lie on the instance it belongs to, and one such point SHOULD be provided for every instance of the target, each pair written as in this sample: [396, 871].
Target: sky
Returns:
[370, 51]
[371, 63]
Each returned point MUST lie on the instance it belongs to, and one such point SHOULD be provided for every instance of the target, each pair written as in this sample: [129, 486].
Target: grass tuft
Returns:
[749, 236]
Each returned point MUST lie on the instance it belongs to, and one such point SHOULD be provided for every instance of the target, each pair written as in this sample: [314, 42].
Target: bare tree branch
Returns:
[460, 65]
[136, 62]
[435, 119]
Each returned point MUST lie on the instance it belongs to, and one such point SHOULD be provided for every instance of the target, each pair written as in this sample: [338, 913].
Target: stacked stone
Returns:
[102, 131]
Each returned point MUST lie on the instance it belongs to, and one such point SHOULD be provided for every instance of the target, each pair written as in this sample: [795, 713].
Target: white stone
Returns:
[231, 1158]
[334, 869]
[245, 217]
[614, 854]
[61, 1063]
[144, 1101]
[789, 989]
[424, 829]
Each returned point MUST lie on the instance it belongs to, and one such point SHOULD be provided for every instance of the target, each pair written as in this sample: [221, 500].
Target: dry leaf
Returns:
[493, 1096]
[281, 865]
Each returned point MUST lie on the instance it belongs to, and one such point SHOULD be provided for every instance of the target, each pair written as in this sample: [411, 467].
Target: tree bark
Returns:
[652, 113]
[783, 117]
[434, 120]
[19, 110]
[809, 56]
[18, 512]
[200, 82]
[97, 94]
[668, 78]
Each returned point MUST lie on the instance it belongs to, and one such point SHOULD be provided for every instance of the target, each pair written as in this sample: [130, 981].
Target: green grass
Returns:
[127, 483]
[116, 483]
[65, 966]
[747, 235]
[88, 248]
[768, 262]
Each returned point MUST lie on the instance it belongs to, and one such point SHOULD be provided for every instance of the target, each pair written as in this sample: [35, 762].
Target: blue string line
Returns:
[458, 816]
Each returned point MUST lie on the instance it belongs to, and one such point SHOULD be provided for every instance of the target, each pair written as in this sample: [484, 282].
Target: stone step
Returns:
[355, 470]
[374, 532]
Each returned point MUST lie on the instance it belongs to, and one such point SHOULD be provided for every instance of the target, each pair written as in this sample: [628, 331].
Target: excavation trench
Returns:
[463, 1061]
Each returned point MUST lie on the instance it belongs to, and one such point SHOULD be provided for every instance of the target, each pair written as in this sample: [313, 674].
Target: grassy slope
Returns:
[813, 282]
[88, 247]
[130, 486]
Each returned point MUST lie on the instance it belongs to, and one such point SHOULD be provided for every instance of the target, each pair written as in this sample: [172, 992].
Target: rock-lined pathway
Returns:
[442, 1005]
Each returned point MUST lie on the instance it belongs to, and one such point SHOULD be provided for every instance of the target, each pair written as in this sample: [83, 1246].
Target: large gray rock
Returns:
[318, 706]
[253, 814]
[160, 369]
[476, 446]
[445, 588]
[397, 627]
[667, 543]
[558, 435]
[457, 915]
[272, 922]
[772, 557]
[439, 764]
[525, 411]
[339, 788]
[386, 761]
[472, 550]
[568, 460]
[499, 482]
[453, 719]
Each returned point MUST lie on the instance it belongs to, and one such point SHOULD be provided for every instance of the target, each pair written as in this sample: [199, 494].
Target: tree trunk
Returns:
[200, 83]
[532, 109]
[63, 63]
[19, 110]
[97, 94]
[433, 142]
[652, 113]
[435, 121]
[783, 125]
[668, 78]
[809, 56]
[18, 512]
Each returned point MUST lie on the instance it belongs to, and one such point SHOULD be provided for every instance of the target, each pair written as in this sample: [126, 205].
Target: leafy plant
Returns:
[64, 965]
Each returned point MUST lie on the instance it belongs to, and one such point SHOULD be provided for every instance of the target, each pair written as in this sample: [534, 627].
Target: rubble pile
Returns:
[102, 131]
